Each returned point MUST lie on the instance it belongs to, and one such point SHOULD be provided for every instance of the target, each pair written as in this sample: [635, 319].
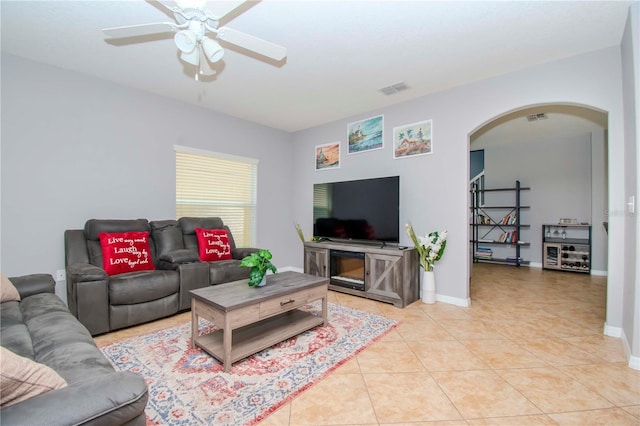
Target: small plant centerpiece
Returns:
[430, 249]
[260, 263]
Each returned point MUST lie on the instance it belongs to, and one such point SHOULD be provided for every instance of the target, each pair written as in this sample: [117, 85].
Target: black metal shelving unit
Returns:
[481, 232]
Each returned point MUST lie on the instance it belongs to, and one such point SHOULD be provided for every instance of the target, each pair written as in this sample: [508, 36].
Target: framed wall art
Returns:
[365, 135]
[328, 156]
[413, 139]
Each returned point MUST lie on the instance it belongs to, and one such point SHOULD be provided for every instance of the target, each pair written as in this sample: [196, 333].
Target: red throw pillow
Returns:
[213, 244]
[125, 252]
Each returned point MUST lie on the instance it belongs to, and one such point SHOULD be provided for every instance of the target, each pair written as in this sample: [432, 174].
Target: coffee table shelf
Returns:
[255, 337]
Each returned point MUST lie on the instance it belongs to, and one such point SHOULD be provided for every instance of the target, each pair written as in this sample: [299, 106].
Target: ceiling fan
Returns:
[196, 30]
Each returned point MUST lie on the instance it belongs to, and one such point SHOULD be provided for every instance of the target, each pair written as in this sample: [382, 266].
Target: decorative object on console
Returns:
[260, 263]
[125, 252]
[196, 29]
[365, 135]
[328, 156]
[412, 139]
[430, 249]
[213, 244]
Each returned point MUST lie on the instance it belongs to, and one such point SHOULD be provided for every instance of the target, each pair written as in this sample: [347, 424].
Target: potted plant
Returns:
[260, 263]
[430, 249]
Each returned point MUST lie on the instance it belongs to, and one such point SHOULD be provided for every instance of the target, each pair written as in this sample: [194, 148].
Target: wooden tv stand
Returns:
[390, 273]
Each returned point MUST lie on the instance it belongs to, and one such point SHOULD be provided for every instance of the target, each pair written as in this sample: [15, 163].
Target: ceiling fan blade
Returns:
[254, 44]
[165, 5]
[220, 9]
[139, 30]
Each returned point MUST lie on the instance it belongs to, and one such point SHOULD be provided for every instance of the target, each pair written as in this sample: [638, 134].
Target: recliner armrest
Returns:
[79, 272]
[117, 398]
[180, 256]
[28, 285]
[240, 252]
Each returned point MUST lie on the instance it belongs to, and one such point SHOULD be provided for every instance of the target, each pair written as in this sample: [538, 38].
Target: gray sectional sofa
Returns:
[105, 302]
[41, 328]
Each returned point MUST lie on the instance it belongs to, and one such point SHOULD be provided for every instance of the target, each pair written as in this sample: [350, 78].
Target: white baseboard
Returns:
[534, 265]
[612, 331]
[454, 300]
[291, 268]
[599, 273]
[634, 361]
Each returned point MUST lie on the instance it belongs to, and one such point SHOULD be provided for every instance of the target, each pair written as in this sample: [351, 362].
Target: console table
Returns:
[384, 273]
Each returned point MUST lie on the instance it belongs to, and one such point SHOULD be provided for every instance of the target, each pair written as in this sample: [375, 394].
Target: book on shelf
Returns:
[484, 253]
[514, 259]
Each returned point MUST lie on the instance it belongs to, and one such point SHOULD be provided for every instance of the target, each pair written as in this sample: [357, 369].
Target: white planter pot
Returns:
[263, 282]
[428, 287]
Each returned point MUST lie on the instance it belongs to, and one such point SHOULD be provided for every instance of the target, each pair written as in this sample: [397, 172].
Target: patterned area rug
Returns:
[188, 387]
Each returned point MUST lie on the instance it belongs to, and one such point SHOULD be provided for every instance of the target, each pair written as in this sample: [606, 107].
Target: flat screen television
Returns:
[358, 210]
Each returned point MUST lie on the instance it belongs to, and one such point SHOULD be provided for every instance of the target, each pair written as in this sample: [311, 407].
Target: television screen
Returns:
[367, 209]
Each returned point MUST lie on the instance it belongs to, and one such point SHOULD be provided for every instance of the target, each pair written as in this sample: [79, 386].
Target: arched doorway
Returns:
[560, 151]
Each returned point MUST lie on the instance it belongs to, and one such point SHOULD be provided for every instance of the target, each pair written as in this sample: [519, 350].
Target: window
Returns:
[321, 201]
[213, 184]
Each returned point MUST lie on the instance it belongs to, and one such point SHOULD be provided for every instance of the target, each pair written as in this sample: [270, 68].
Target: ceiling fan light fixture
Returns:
[212, 50]
[186, 41]
[192, 58]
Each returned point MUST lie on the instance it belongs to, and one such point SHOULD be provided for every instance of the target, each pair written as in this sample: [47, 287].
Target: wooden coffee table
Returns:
[251, 319]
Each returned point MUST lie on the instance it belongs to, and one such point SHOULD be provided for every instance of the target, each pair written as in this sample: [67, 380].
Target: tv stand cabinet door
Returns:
[316, 261]
[384, 276]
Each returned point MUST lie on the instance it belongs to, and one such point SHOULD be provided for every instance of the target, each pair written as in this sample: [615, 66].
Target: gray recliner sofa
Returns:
[176, 243]
[41, 328]
[105, 303]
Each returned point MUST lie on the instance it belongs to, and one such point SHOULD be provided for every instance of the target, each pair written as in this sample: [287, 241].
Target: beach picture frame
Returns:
[413, 139]
[365, 135]
[327, 156]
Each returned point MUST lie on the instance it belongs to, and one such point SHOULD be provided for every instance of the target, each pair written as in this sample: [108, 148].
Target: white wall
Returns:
[434, 191]
[630, 51]
[75, 147]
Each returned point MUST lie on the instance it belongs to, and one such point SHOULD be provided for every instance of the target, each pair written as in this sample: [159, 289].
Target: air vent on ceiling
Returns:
[394, 88]
[536, 117]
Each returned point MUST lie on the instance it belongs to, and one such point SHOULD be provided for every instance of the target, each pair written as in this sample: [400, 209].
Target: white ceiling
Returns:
[339, 52]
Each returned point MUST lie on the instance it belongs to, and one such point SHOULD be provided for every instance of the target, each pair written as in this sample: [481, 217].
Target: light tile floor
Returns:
[528, 351]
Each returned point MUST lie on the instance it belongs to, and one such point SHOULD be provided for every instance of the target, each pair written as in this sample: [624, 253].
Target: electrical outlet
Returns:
[61, 275]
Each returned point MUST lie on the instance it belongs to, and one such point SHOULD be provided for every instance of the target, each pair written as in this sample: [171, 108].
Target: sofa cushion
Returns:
[125, 252]
[167, 236]
[213, 244]
[93, 227]
[22, 378]
[8, 291]
[142, 286]
[15, 334]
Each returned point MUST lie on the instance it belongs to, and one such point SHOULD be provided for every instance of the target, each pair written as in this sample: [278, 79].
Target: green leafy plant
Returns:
[430, 247]
[260, 263]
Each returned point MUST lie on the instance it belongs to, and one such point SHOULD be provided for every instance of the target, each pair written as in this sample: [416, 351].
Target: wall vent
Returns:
[536, 117]
[394, 88]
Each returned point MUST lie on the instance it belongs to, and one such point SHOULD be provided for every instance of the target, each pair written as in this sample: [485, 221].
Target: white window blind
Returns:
[321, 201]
[212, 184]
